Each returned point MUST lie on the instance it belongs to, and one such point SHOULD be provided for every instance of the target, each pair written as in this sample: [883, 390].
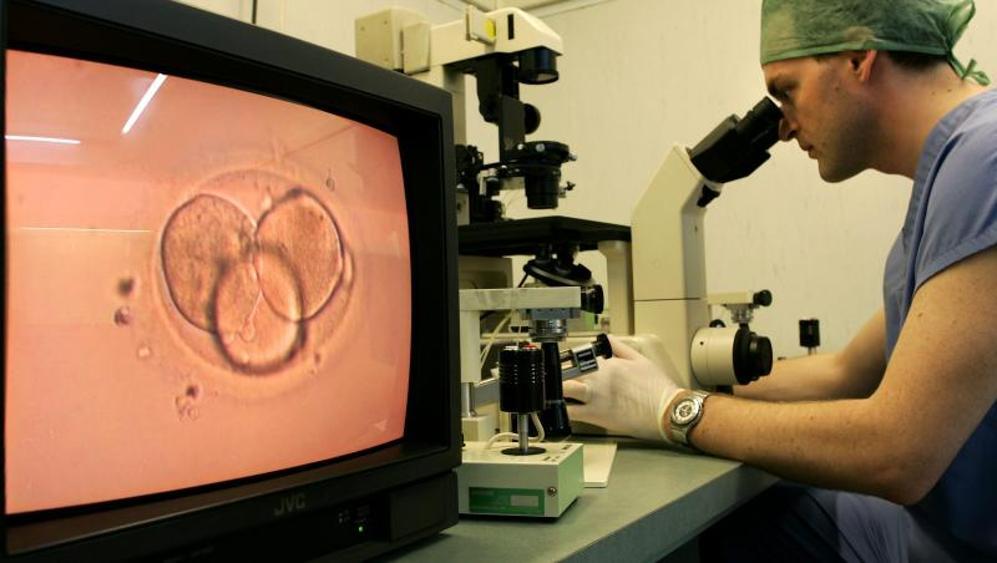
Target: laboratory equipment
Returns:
[528, 385]
[542, 479]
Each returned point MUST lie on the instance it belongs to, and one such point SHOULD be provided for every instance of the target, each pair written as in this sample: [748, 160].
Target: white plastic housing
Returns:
[713, 356]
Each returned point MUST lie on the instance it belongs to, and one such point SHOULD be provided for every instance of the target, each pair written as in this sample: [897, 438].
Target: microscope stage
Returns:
[523, 237]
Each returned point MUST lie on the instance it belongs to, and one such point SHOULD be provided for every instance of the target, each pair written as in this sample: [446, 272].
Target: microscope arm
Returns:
[669, 255]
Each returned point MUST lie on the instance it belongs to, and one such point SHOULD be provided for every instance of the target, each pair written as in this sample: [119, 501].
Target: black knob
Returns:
[752, 356]
[763, 298]
[521, 379]
[593, 299]
[602, 347]
[531, 118]
[809, 333]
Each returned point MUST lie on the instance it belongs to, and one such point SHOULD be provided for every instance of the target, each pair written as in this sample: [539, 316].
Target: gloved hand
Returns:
[627, 395]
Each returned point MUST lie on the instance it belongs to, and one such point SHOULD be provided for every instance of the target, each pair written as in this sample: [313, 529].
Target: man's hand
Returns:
[627, 396]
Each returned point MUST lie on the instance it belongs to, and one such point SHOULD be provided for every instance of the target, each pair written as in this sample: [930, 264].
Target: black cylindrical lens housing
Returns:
[542, 190]
[538, 66]
[521, 379]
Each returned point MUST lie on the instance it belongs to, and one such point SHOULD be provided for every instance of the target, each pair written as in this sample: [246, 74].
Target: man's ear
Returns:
[861, 63]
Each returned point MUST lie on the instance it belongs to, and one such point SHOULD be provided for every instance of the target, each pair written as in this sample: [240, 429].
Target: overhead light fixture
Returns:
[146, 98]
[57, 140]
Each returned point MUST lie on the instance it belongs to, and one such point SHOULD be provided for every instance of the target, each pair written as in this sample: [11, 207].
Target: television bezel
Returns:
[168, 37]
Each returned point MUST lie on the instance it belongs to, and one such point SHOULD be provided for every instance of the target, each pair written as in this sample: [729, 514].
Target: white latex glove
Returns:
[627, 395]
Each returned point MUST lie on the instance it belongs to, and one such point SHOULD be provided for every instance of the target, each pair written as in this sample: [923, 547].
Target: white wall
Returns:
[640, 75]
[328, 23]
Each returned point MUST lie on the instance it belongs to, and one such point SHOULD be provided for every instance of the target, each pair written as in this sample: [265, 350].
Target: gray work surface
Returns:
[656, 501]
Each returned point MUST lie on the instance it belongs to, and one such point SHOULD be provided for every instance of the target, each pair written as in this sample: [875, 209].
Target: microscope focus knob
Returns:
[763, 298]
[531, 118]
[602, 347]
[752, 356]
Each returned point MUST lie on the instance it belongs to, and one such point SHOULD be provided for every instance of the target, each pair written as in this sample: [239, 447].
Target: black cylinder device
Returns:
[521, 379]
[810, 334]
[555, 414]
[522, 390]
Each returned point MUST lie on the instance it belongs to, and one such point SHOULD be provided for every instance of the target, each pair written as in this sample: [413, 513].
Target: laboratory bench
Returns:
[657, 502]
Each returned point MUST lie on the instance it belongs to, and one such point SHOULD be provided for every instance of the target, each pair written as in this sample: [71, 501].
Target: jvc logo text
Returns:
[289, 504]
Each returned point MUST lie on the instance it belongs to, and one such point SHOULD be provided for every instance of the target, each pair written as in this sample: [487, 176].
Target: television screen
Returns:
[204, 284]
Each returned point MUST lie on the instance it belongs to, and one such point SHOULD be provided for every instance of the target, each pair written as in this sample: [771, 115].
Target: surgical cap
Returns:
[802, 28]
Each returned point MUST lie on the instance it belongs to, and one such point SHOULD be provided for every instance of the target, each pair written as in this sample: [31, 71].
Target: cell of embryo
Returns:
[253, 284]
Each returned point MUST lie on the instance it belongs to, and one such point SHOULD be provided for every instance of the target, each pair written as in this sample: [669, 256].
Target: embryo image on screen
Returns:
[204, 284]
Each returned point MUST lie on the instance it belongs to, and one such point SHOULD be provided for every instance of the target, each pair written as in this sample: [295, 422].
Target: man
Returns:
[906, 412]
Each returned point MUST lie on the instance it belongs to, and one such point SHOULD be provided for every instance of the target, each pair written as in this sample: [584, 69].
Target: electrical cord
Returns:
[540, 437]
[491, 339]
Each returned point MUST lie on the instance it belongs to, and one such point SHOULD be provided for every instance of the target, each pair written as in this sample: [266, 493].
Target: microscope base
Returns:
[542, 485]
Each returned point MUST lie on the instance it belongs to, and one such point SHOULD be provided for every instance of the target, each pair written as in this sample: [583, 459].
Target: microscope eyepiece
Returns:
[760, 126]
[737, 147]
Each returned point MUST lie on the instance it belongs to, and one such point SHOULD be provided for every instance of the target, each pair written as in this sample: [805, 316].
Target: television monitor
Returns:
[230, 292]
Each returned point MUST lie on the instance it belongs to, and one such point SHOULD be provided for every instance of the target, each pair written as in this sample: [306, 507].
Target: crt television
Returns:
[230, 292]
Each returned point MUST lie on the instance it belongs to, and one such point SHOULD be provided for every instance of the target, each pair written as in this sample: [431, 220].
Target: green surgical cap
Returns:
[802, 28]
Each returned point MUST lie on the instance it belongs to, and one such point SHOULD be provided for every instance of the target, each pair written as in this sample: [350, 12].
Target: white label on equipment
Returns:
[520, 500]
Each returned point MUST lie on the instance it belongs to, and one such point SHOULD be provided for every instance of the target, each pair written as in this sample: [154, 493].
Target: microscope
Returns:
[669, 258]
[502, 50]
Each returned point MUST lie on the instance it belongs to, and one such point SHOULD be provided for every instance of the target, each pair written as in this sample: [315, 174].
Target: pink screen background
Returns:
[143, 354]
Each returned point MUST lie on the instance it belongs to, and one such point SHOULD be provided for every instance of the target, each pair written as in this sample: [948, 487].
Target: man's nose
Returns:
[787, 130]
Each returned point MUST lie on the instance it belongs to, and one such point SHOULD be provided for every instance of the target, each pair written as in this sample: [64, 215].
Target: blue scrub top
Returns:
[952, 215]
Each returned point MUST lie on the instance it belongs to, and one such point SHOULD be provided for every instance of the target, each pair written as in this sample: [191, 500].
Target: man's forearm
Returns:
[830, 444]
[808, 378]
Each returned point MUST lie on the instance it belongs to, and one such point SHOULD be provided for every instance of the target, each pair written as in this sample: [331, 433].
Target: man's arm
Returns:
[852, 373]
[939, 384]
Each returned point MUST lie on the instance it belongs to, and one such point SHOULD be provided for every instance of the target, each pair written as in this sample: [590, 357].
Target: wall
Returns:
[641, 75]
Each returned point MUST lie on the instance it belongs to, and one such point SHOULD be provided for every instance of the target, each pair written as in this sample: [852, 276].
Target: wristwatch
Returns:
[685, 415]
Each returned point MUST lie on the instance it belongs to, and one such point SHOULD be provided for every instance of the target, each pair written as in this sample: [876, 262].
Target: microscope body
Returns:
[669, 260]
[669, 256]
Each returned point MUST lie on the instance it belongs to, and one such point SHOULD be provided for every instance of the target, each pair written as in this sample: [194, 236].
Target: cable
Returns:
[501, 436]
[540, 427]
[491, 339]
[540, 437]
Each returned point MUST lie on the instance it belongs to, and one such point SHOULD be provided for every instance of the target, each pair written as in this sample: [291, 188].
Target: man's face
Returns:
[822, 112]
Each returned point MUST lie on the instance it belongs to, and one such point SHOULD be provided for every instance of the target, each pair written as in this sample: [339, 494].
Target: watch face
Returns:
[684, 412]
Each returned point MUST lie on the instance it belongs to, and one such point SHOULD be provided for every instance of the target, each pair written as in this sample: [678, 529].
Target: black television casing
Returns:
[354, 507]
